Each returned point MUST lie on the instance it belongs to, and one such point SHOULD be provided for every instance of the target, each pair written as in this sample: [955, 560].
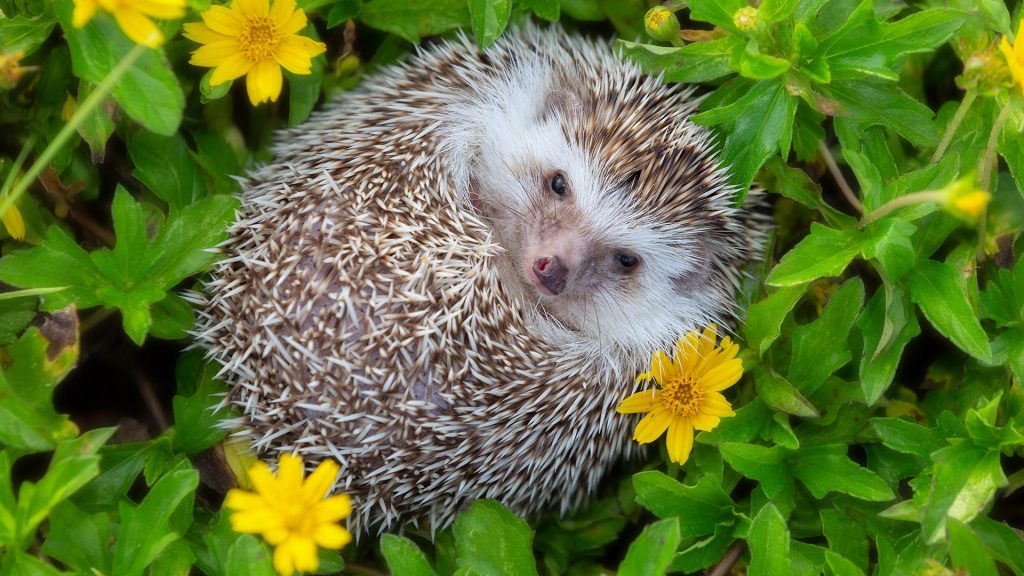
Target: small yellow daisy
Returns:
[133, 16]
[253, 39]
[290, 513]
[688, 393]
[1015, 56]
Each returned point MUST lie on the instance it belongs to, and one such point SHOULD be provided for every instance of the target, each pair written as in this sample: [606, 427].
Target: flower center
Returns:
[259, 38]
[297, 518]
[681, 396]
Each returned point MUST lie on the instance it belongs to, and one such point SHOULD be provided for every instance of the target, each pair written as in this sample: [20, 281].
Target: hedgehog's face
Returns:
[579, 246]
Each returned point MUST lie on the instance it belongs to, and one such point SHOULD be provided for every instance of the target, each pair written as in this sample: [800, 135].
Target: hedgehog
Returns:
[451, 275]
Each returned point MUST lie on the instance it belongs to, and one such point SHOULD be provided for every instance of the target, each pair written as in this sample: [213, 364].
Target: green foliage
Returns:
[878, 428]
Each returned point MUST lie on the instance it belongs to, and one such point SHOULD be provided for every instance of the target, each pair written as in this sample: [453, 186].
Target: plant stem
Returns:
[896, 203]
[91, 101]
[725, 565]
[985, 169]
[837, 175]
[958, 117]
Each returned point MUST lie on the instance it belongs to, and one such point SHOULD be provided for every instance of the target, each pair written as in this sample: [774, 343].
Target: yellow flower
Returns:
[964, 199]
[291, 513]
[11, 69]
[972, 204]
[14, 223]
[688, 393]
[133, 16]
[1015, 55]
[253, 39]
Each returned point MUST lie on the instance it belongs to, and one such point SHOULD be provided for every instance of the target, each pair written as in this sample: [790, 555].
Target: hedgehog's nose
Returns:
[550, 273]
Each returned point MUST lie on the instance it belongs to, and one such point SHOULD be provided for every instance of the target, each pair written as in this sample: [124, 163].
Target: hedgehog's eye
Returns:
[626, 262]
[558, 185]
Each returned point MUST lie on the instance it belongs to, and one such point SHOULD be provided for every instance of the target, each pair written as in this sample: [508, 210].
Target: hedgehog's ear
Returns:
[695, 278]
[559, 103]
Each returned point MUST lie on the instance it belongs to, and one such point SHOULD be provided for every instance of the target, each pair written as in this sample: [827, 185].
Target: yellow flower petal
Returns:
[716, 405]
[320, 481]
[256, 522]
[679, 441]
[289, 474]
[296, 21]
[251, 8]
[295, 53]
[211, 55]
[139, 28]
[643, 401]
[222, 20]
[160, 9]
[662, 368]
[281, 11]
[705, 421]
[652, 426]
[242, 500]
[331, 536]
[284, 563]
[203, 34]
[264, 82]
[232, 67]
[263, 480]
[333, 509]
[84, 11]
[723, 375]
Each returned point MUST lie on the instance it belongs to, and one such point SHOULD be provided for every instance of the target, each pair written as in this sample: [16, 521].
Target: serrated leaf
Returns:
[696, 62]
[967, 551]
[841, 566]
[762, 463]
[162, 517]
[825, 469]
[823, 252]
[907, 437]
[717, 12]
[404, 558]
[964, 482]
[941, 293]
[1002, 542]
[652, 551]
[57, 261]
[79, 540]
[877, 103]
[780, 394]
[22, 34]
[879, 359]
[820, 347]
[414, 19]
[165, 165]
[491, 540]
[764, 319]
[762, 129]
[768, 539]
[699, 507]
[488, 19]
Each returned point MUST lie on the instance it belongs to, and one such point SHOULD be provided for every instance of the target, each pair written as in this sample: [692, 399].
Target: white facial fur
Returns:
[504, 150]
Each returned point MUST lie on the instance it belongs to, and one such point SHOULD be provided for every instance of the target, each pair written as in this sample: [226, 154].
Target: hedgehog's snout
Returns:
[550, 274]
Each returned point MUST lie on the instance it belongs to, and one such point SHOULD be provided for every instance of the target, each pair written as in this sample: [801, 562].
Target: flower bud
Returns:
[745, 18]
[662, 24]
[964, 199]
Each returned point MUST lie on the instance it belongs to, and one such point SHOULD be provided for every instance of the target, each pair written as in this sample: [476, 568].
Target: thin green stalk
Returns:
[91, 101]
[985, 169]
[16, 167]
[958, 117]
[897, 203]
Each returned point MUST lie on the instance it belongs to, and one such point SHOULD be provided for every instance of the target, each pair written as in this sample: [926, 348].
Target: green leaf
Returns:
[780, 394]
[823, 252]
[196, 424]
[888, 242]
[79, 540]
[404, 558]
[876, 103]
[98, 126]
[967, 551]
[22, 34]
[165, 165]
[414, 19]
[653, 550]
[763, 128]
[148, 92]
[58, 261]
[489, 19]
[304, 89]
[764, 319]
[824, 469]
[1002, 542]
[846, 536]
[841, 566]
[181, 245]
[1003, 297]
[248, 556]
[941, 293]
[965, 480]
[717, 12]
[696, 62]
[753, 64]
[879, 359]
[704, 553]
[762, 463]
[162, 517]
[491, 540]
[28, 420]
[342, 11]
[907, 437]
[820, 347]
[699, 508]
[768, 539]
[795, 184]
[544, 9]
[74, 463]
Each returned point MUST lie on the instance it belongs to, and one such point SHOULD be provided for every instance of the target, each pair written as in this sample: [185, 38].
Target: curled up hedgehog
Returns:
[450, 277]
